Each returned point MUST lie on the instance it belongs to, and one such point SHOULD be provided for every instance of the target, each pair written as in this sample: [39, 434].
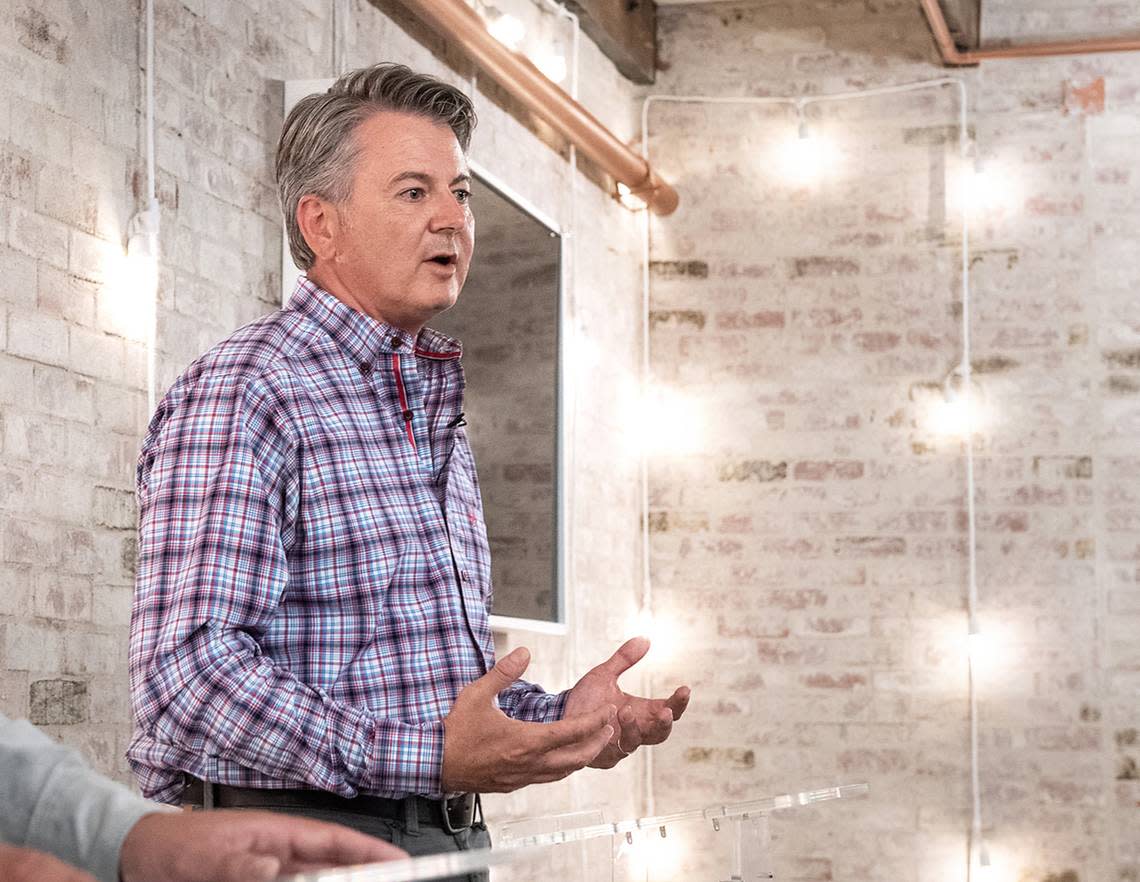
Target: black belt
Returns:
[452, 815]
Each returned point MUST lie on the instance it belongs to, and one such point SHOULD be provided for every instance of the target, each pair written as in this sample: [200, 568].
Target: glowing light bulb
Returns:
[806, 158]
[667, 422]
[627, 198]
[132, 276]
[980, 648]
[951, 418]
[661, 633]
[553, 66]
[960, 412]
[986, 871]
[986, 191]
[508, 30]
[652, 856]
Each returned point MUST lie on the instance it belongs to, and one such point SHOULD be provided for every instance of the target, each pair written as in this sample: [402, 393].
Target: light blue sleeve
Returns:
[52, 801]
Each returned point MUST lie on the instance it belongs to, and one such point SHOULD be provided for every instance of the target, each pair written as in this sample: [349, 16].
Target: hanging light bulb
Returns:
[627, 198]
[668, 422]
[133, 274]
[552, 65]
[803, 160]
[961, 411]
[805, 133]
[986, 871]
[505, 28]
[979, 647]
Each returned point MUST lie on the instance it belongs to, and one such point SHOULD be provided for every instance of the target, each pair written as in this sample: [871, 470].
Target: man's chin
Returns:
[444, 302]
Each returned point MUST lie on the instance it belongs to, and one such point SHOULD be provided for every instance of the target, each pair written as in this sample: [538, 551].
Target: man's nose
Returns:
[449, 214]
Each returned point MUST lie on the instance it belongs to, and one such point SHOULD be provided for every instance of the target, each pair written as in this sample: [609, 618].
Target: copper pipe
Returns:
[951, 54]
[458, 23]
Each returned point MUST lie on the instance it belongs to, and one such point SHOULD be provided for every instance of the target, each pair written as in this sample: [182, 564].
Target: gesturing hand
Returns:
[640, 720]
[240, 846]
[485, 751]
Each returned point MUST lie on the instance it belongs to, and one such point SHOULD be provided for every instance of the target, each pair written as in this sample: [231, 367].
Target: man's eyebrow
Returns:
[424, 178]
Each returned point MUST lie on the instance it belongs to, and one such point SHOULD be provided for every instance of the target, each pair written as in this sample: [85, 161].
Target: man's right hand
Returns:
[485, 751]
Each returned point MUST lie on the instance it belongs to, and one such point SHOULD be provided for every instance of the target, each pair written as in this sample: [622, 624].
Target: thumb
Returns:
[506, 670]
[628, 654]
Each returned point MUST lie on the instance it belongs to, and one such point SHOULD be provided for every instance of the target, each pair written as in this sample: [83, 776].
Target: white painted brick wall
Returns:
[811, 554]
[73, 360]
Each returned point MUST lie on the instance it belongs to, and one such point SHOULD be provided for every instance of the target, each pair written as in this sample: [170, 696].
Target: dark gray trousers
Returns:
[410, 834]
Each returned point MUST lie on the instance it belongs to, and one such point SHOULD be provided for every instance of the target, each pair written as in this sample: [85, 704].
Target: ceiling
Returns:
[1024, 21]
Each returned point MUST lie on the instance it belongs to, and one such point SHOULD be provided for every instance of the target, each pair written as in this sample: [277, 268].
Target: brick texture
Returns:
[811, 557]
[73, 334]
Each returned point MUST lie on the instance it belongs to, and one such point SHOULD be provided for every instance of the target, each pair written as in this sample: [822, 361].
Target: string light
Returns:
[961, 409]
[804, 159]
[505, 28]
[801, 160]
[667, 423]
[627, 198]
[553, 66]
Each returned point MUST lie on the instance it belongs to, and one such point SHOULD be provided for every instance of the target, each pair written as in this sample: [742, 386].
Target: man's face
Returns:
[406, 232]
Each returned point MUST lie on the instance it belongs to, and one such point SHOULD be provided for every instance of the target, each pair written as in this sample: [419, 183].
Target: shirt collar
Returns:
[361, 336]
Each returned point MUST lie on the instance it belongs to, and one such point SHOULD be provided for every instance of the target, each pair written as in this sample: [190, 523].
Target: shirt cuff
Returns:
[539, 707]
[407, 758]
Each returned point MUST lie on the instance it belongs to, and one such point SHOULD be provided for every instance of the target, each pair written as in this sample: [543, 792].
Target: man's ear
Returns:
[320, 225]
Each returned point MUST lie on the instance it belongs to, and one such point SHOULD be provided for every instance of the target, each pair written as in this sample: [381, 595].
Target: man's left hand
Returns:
[639, 720]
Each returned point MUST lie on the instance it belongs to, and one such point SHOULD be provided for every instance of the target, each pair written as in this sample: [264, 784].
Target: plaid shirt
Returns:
[314, 576]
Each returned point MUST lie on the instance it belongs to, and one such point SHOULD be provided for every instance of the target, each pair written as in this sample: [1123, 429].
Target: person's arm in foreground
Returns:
[52, 803]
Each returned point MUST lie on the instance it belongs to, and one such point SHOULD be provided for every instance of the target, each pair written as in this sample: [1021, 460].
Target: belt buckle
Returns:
[458, 812]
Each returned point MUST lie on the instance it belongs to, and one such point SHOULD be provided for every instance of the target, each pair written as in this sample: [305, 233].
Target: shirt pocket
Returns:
[465, 522]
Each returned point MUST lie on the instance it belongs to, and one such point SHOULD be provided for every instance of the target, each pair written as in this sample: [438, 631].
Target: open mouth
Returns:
[443, 259]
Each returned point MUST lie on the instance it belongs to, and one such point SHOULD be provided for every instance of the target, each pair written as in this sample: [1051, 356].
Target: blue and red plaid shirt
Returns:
[314, 577]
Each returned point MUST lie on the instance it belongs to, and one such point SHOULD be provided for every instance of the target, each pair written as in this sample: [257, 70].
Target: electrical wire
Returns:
[977, 844]
[569, 321]
[151, 222]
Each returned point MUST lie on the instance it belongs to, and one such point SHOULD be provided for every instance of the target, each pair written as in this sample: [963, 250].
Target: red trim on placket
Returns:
[403, 398]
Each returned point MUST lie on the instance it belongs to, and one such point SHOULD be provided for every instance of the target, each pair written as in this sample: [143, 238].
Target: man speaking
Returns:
[310, 629]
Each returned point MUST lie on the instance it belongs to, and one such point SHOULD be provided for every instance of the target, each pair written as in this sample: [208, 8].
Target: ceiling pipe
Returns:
[952, 55]
[458, 23]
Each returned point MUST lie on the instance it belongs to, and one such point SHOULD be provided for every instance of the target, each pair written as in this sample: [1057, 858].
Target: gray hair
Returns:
[317, 151]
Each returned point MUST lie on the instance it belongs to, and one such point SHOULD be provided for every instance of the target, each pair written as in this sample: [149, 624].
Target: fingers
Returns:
[249, 868]
[576, 729]
[628, 654]
[561, 762]
[630, 736]
[506, 670]
[26, 865]
[678, 701]
[320, 844]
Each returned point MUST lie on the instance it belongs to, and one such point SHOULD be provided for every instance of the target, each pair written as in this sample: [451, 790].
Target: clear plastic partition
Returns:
[720, 843]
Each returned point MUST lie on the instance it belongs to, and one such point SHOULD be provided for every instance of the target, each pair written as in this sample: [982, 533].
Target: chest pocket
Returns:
[465, 519]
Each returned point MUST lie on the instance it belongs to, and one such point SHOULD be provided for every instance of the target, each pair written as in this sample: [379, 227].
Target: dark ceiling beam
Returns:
[952, 55]
[625, 30]
[963, 18]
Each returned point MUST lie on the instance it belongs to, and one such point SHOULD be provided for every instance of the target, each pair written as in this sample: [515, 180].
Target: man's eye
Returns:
[464, 196]
[414, 193]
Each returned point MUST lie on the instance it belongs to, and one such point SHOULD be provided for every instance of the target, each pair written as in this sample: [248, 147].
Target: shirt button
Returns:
[463, 575]
[397, 342]
[366, 368]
